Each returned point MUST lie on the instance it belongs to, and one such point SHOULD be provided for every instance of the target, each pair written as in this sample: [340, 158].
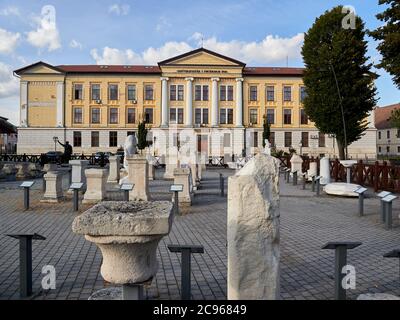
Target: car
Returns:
[99, 154]
[54, 156]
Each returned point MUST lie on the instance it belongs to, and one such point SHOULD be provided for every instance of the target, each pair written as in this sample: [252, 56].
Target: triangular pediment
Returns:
[201, 57]
[39, 68]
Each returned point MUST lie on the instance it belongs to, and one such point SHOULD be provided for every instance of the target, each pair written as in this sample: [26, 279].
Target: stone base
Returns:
[341, 189]
[377, 296]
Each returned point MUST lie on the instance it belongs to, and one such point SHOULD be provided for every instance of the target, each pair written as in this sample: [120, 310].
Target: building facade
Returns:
[211, 103]
[388, 137]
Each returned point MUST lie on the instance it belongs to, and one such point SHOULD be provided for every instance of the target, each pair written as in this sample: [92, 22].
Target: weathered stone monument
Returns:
[324, 170]
[313, 171]
[54, 191]
[129, 151]
[96, 180]
[182, 176]
[253, 230]
[78, 172]
[127, 234]
[296, 163]
[138, 174]
[114, 169]
[171, 163]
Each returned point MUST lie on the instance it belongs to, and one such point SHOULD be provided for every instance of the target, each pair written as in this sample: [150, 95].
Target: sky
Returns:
[257, 32]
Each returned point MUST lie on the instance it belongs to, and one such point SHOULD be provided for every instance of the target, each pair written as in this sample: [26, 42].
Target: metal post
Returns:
[304, 181]
[318, 187]
[76, 199]
[25, 266]
[26, 198]
[126, 195]
[44, 184]
[361, 204]
[340, 262]
[221, 184]
[295, 178]
[132, 292]
[287, 176]
[383, 211]
[185, 274]
[388, 219]
[313, 184]
[176, 203]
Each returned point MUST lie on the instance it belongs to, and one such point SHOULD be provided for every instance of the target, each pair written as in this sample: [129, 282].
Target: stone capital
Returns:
[164, 78]
[189, 79]
[239, 79]
[215, 79]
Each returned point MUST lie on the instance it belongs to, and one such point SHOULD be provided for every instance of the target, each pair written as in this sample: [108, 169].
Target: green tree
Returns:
[339, 84]
[266, 131]
[142, 136]
[389, 37]
[395, 118]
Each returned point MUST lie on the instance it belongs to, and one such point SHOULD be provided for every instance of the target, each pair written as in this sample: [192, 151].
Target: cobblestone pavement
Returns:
[307, 222]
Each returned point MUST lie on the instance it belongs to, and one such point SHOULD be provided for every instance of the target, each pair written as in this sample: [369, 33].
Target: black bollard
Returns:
[126, 188]
[318, 183]
[340, 261]
[287, 175]
[313, 184]
[221, 184]
[295, 178]
[186, 251]
[76, 187]
[382, 195]
[360, 191]
[25, 261]
[26, 185]
[176, 188]
[388, 200]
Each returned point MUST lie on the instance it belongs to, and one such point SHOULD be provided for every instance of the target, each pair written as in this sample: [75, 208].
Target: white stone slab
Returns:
[341, 189]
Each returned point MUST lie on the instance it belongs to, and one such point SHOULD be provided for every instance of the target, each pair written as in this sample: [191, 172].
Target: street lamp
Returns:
[154, 146]
[55, 139]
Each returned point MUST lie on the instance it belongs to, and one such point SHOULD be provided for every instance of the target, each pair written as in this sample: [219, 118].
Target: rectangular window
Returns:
[272, 139]
[227, 140]
[131, 133]
[113, 115]
[78, 118]
[287, 116]
[288, 139]
[287, 93]
[197, 93]
[303, 94]
[201, 116]
[388, 134]
[95, 139]
[380, 149]
[113, 141]
[255, 139]
[201, 93]
[387, 149]
[148, 92]
[113, 92]
[253, 116]
[205, 93]
[270, 116]
[321, 140]
[379, 135]
[398, 133]
[131, 115]
[205, 116]
[253, 93]
[226, 93]
[180, 92]
[222, 116]
[77, 139]
[270, 93]
[226, 116]
[172, 92]
[197, 116]
[303, 117]
[398, 149]
[95, 91]
[148, 115]
[131, 88]
[176, 115]
[222, 93]
[78, 91]
[304, 139]
[95, 116]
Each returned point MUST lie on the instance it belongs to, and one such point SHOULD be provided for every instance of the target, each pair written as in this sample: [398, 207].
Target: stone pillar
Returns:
[115, 167]
[171, 163]
[325, 171]
[164, 102]
[182, 176]
[313, 171]
[253, 231]
[138, 174]
[193, 169]
[296, 163]
[189, 102]
[214, 102]
[60, 104]
[239, 102]
[54, 192]
[78, 172]
[24, 104]
[96, 180]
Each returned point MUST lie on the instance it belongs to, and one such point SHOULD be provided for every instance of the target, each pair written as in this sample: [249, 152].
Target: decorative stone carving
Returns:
[253, 230]
[129, 148]
[96, 180]
[127, 234]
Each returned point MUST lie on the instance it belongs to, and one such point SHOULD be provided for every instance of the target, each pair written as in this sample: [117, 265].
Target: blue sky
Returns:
[258, 32]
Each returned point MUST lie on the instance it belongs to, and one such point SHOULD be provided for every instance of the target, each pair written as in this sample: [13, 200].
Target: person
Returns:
[67, 151]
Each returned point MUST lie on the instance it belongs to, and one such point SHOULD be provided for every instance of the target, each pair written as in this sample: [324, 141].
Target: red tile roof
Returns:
[272, 71]
[382, 116]
[110, 69]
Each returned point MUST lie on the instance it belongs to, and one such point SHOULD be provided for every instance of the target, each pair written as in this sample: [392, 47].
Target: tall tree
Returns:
[338, 80]
[395, 118]
[142, 136]
[389, 37]
[266, 131]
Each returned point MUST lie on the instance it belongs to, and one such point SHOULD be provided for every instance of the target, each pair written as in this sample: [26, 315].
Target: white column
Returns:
[24, 104]
[189, 102]
[239, 102]
[164, 102]
[60, 104]
[214, 103]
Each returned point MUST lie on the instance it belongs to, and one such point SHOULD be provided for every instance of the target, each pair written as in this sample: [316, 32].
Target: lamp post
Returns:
[154, 146]
[55, 139]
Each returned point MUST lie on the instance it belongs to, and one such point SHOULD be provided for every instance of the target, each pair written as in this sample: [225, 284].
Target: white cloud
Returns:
[9, 85]
[10, 11]
[272, 49]
[8, 41]
[119, 10]
[46, 34]
[163, 25]
[75, 44]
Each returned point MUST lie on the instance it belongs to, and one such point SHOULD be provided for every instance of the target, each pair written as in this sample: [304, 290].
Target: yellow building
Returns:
[216, 101]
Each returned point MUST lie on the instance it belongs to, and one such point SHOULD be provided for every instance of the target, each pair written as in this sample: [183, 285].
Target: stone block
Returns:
[96, 180]
[182, 176]
[114, 169]
[138, 174]
[54, 191]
